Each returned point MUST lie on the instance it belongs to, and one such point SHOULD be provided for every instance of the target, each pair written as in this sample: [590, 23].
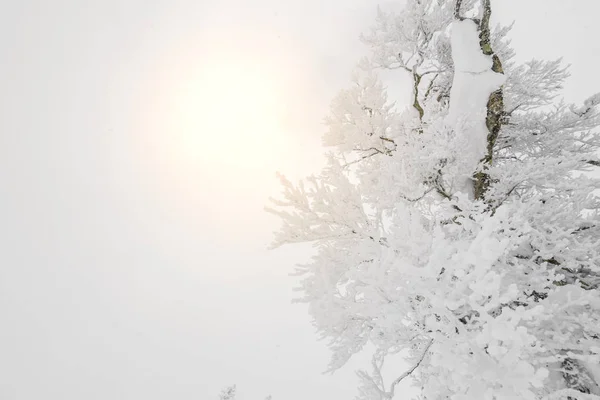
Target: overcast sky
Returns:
[133, 262]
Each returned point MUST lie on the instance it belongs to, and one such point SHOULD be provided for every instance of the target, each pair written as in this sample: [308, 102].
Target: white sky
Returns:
[130, 270]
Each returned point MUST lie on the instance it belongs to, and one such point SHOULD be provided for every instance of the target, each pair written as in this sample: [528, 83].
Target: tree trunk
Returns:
[495, 105]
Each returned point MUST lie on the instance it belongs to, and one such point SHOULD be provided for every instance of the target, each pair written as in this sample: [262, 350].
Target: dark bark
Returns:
[576, 377]
[495, 105]
[416, 105]
[457, 10]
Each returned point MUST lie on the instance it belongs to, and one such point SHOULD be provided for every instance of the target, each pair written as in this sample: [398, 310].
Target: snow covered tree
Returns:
[228, 393]
[461, 231]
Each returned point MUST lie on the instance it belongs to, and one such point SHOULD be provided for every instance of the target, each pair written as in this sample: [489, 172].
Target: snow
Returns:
[473, 83]
[592, 100]
[594, 370]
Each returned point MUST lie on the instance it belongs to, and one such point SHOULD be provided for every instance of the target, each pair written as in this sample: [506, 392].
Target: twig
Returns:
[360, 159]
[414, 200]
[410, 371]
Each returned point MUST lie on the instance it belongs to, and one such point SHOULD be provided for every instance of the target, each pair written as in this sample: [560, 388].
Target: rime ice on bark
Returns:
[473, 83]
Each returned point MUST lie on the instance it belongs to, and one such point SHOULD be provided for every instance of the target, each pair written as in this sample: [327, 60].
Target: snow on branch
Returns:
[564, 394]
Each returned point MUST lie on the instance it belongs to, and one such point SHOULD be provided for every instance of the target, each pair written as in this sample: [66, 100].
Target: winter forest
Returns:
[462, 233]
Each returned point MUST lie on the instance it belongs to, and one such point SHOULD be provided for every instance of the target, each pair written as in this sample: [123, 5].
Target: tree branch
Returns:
[428, 91]
[414, 200]
[360, 159]
[410, 371]
[457, 9]
[416, 105]
[561, 394]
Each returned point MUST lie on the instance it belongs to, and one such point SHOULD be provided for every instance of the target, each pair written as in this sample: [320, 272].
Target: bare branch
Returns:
[414, 200]
[428, 91]
[410, 371]
[360, 159]
[457, 9]
[416, 105]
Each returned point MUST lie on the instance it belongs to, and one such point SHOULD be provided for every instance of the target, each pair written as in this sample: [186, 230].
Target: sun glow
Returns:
[228, 114]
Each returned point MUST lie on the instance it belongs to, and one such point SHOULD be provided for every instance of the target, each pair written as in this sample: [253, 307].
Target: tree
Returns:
[461, 231]
[230, 392]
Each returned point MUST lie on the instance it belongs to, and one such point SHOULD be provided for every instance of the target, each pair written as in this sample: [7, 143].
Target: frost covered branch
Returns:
[410, 371]
[572, 394]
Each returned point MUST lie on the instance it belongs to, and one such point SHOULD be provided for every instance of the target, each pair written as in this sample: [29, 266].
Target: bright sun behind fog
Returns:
[228, 115]
[216, 128]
